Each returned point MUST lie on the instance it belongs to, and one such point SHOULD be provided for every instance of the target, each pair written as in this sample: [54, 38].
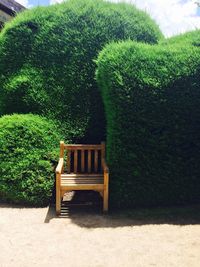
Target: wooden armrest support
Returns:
[60, 166]
[104, 165]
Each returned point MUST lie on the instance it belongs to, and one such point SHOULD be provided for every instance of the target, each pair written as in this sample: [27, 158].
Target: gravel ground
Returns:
[84, 238]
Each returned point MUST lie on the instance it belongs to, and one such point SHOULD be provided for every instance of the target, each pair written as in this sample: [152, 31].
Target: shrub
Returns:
[46, 60]
[152, 103]
[188, 38]
[28, 149]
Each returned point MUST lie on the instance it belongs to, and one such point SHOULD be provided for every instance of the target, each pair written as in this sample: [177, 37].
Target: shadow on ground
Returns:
[85, 210]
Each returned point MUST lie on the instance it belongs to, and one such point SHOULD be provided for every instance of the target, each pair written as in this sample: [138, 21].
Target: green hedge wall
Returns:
[46, 60]
[152, 101]
[188, 38]
[29, 147]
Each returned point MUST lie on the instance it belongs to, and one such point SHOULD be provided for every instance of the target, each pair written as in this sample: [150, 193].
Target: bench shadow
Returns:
[88, 214]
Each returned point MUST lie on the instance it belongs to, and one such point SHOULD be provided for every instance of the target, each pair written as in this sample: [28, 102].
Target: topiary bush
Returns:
[152, 103]
[28, 149]
[188, 38]
[46, 60]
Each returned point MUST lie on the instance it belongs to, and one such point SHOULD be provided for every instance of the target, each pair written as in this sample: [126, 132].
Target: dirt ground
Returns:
[84, 238]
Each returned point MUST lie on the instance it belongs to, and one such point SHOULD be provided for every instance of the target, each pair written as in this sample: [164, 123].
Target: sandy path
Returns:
[93, 240]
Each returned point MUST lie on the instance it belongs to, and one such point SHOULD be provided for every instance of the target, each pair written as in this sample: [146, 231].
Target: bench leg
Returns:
[58, 201]
[105, 200]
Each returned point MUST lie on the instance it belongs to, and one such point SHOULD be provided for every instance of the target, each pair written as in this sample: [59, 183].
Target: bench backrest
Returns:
[83, 158]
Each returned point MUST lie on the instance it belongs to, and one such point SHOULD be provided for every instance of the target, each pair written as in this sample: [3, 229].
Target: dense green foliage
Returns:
[188, 38]
[46, 60]
[152, 103]
[28, 147]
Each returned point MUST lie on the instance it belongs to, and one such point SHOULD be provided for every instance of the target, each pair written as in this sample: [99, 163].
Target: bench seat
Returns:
[81, 179]
[81, 182]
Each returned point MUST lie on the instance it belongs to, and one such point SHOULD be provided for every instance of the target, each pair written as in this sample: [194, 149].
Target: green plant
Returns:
[28, 150]
[152, 103]
[46, 60]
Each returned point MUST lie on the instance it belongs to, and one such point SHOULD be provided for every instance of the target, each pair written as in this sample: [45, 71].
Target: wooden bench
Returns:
[84, 169]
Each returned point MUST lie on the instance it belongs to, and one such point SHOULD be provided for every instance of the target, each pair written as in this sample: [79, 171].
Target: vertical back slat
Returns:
[89, 160]
[95, 160]
[69, 161]
[75, 160]
[82, 160]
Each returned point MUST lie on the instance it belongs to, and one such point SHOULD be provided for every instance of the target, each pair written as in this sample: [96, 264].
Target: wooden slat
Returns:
[69, 161]
[80, 147]
[95, 181]
[81, 182]
[89, 161]
[75, 160]
[82, 187]
[82, 160]
[95, 160]
[81, 179]
[77, 175]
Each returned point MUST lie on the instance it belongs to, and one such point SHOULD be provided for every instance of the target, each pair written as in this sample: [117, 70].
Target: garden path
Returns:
[36, 237]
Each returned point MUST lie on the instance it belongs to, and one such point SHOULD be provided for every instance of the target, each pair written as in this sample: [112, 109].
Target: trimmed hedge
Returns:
[188, 38]
[46, 60]
[29, 146]
[152, 103]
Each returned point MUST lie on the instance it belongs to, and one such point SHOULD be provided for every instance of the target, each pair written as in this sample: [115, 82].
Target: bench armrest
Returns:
[60, 166]
[104, 165]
